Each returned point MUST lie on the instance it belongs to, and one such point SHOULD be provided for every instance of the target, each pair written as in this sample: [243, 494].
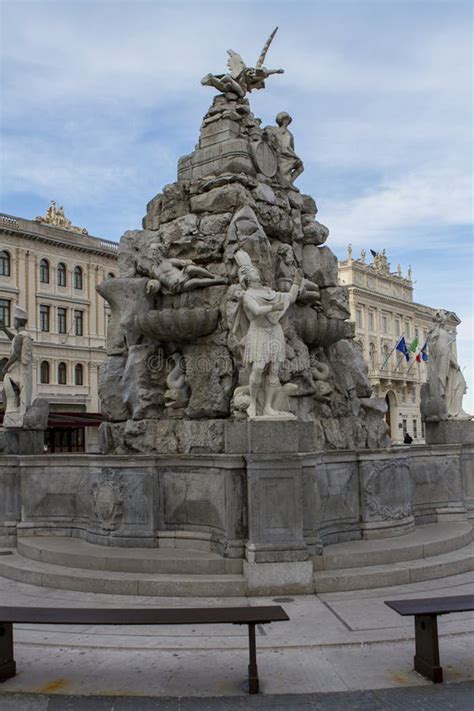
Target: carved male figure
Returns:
[257, 327]
[18, 371]
[287, 270]
[174, 276]
[290, 166]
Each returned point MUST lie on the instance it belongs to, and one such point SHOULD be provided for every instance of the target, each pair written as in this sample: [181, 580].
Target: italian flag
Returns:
[413, 345]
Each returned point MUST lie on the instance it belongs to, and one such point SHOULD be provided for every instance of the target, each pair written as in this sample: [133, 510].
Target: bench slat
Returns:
[432, 605]
[143, 616]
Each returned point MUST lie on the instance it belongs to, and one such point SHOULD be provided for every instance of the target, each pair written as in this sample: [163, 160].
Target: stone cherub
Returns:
[18, 371]
[286, 273]
[174, 276]
[258, 330]
[242, 79]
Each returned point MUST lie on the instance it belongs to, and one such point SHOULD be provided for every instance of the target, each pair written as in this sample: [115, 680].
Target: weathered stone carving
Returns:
[108, 496]
[387, 491]
[240, 78]
[258, 330]
[17, 371]
[442, 395]
[281, 139]
[287, 270]
[178, 292]
[177, 395]
[174, 276]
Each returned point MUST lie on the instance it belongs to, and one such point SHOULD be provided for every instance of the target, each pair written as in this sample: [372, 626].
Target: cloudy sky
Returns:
[100, 98]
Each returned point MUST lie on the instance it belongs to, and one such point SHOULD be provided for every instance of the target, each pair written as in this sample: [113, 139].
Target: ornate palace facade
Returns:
[382, 306]
[51, 268]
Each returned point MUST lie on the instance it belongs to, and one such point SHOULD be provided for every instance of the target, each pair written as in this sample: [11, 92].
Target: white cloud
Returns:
[433, 197]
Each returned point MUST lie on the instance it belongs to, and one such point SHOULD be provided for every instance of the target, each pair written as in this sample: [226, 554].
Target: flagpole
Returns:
[400, 361]
[388, 357]
[412, 364]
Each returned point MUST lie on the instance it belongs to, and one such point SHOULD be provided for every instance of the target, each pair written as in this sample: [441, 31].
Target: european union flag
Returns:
[403, 348]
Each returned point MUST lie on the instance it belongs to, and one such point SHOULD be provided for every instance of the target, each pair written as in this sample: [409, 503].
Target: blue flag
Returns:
[403, 348]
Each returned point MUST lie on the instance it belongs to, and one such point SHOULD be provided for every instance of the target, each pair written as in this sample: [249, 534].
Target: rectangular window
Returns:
[385, 323]
[44, 318]
[417, 333]
[79, 323]
[62, 320]
[406, 327]
[404, 427]
[423, 429]
[415, 430]
[359, 321]
[5, 310]
[397, 327]
[371, 321]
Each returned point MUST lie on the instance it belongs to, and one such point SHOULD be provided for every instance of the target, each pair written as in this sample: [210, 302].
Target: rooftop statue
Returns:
[242, 79]
[55, 216]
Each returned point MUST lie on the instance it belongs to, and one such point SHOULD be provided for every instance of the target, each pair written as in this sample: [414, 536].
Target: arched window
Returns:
[62, 374]
[62, 274]
[44, 271]
[111, 275]
[5, 265]
[79, 375]
[3, 363]
[372, 355]
[77, 278]
[44, 372]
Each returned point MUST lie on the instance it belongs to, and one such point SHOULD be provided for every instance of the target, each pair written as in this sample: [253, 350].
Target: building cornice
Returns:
[54, 236]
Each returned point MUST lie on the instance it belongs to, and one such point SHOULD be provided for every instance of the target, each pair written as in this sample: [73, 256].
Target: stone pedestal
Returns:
[450, 432]
[261, 436]
[275, 510]
[20, 441]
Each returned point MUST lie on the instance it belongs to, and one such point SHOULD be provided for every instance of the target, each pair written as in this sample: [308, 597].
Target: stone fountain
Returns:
[239, 419]
[230, 291]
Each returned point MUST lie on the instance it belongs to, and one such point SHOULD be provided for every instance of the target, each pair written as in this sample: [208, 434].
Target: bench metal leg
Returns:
[7, 662]
[253, 671]
[427, 648]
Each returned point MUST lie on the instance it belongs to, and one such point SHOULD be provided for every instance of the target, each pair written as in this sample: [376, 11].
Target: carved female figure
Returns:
[446, 381]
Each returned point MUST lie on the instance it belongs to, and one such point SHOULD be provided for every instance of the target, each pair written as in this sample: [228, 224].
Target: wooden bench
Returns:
[250, 616]
[426, 611]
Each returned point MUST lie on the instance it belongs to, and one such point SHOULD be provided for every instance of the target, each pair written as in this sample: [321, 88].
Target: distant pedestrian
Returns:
[407, 439]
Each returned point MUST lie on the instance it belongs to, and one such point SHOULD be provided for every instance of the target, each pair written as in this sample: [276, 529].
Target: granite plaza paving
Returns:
[339, 650]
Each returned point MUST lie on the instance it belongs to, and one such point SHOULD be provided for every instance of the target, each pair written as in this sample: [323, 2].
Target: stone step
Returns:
[76, 553]
[24, 570]
[424, 542]
[400, 573]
